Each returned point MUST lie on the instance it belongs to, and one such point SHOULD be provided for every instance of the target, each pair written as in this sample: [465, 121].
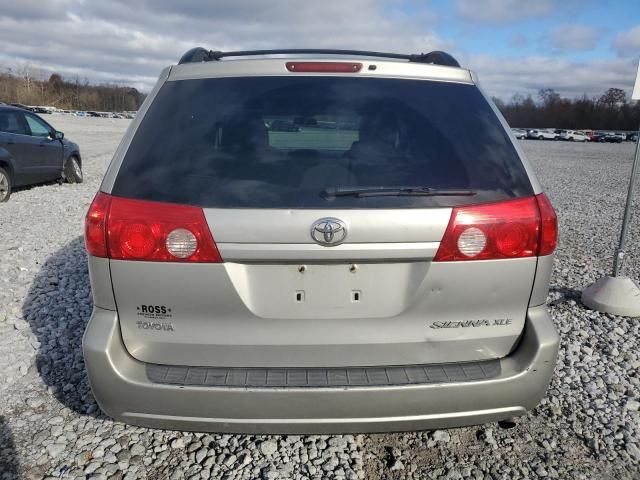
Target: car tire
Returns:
[540, 137]
[5, 185]
[73, 170]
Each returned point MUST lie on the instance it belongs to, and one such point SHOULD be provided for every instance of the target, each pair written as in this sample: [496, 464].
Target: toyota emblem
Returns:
[329, 231]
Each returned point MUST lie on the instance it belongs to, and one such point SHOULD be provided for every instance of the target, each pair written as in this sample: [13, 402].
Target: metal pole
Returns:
[619, 256]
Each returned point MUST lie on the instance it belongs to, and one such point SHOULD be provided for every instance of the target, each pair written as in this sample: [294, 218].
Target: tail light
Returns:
[126, 229]
[95, 226]
[519, 228]
[549, 223]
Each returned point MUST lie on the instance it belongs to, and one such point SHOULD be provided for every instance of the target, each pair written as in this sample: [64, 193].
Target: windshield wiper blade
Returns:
[394, 191]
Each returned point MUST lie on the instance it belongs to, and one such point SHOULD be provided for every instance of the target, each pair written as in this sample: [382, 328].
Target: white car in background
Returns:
[574, 136]
[542, 134]
[519, 133]
[620, 136]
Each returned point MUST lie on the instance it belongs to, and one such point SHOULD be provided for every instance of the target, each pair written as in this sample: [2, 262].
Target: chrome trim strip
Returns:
[240, 252]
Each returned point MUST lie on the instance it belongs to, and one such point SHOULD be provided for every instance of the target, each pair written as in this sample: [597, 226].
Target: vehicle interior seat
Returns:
[378, 154]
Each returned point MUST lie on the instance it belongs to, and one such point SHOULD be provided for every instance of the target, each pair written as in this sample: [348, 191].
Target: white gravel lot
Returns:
[588, 426]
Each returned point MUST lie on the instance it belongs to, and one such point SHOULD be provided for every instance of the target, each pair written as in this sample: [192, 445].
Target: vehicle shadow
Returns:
[31, 186]
[8, 455]
[57, 309]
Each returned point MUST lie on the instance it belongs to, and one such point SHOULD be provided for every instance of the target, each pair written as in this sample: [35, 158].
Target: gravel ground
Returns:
[587, 427]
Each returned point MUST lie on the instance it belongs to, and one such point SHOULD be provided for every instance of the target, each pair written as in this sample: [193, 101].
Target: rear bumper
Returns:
[123, 390]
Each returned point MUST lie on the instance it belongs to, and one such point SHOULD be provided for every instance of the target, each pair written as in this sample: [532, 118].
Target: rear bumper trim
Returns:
[123, 390]
[322, 377]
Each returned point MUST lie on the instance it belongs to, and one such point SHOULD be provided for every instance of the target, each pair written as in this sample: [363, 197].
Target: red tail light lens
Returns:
[136, 241]
[150, 231]
[510, 229]
[95, 238]
[324, 67]
[549, 221]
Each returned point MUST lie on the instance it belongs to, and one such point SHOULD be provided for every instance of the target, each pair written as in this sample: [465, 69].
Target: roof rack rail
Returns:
[199, 54]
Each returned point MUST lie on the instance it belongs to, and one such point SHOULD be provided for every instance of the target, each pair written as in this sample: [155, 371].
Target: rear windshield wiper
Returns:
[394, 192]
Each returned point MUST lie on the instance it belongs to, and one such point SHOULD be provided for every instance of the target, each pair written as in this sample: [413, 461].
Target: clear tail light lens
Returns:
[519, 228]
[471, 241]
[126, 229]
[182, 243]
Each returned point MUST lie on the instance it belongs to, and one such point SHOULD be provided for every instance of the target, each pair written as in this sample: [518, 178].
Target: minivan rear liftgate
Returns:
[266, 165]
[319, 245]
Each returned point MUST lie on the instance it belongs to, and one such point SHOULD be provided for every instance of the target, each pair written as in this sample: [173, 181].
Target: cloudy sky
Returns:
[573, 46]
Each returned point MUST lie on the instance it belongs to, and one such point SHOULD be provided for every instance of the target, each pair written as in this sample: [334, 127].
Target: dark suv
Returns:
[32, 151]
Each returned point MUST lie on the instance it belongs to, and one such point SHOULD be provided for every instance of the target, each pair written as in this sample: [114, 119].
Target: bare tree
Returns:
[613, 97]
[548, 96]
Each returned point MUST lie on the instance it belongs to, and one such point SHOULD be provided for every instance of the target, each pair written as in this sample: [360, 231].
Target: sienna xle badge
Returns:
[335, 241]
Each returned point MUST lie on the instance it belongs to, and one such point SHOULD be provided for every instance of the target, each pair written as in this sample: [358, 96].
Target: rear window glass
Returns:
[284, 142]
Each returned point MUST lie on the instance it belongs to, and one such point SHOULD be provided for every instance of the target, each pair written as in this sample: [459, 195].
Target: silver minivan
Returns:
[319, 241]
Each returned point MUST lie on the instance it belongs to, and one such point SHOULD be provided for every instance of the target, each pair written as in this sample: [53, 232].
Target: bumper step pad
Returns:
[323, 377]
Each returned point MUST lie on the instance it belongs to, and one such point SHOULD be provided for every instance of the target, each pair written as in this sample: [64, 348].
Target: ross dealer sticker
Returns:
[155, 317]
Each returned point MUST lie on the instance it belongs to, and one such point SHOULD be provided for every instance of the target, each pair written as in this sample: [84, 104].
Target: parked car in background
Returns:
[542, 134]
[32, 151]
[573, 136]
[519, 133]
[599, 136]
[612, 137]
[620, 135]
[283, 126]
[632, 137]
[588, 133]
[381, 275]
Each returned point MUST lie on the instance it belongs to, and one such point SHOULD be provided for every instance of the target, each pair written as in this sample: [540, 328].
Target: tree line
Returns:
[29, 86]
[609, 111]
